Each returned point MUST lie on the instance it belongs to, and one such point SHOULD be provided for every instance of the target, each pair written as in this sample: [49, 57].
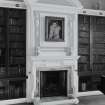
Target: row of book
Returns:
[83, 51]
[17, 60]
[2, 37]
[16, 13]
[96, 59]
[2, 45]
[99, 46]
[84, 40]
[83, 67]
[16, 45]
[15, 29]
[15, 21]
[99, 28]
[84, 27]
[1, 12]
[99, 59]
[99, 67]
[16, 52]
[99, 20]
[16, 91]
[16, 37]
[83, 45]
[13, 91]
[2, 20]
[2, 61]
[83, 34]
[16, 71]
[2, 71]
[84, 59]
[99, 42]
[96, 78]
[12, 71]
[84, 19]
[2, 52]
[99, 51]
[98, 35]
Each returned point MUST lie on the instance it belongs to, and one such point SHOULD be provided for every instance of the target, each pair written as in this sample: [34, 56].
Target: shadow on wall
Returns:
[93, 4]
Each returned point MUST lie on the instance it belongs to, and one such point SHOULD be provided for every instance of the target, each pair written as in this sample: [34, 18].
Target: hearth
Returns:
[53, 83]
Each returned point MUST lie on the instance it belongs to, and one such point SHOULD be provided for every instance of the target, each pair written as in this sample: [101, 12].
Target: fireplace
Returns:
[53, 83]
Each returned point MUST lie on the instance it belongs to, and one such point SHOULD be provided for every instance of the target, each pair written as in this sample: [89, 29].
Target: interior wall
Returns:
[93, 4]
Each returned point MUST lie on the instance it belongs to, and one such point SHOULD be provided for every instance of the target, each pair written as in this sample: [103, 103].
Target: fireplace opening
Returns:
[53, 83]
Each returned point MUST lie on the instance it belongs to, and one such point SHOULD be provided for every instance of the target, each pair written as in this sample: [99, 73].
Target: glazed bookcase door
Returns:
[83, 50]
[12, 53]
[91, 48]
[3, 49]
[98, 49]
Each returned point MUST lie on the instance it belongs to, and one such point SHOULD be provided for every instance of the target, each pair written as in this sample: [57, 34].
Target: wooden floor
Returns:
[88, 100]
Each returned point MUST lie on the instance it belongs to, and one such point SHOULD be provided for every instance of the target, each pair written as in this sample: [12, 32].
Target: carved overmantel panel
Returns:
[53, 48]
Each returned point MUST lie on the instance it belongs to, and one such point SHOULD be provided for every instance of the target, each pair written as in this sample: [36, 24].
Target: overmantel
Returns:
[39, 12]
[42, 28]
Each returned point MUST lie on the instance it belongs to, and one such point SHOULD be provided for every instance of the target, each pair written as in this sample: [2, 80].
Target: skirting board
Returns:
[60, 102]
[13, 101]
[88, 93]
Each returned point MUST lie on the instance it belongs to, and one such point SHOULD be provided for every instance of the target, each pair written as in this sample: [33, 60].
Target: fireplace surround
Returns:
[53, 78]
[49, 79]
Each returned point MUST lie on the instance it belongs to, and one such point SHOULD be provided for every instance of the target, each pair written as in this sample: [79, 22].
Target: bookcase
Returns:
[91, 49]
[12, 53]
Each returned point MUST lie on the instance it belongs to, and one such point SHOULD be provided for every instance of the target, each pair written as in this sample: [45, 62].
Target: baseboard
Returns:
[88, 93]
[13, 101]
[61, 102]
[55, 101]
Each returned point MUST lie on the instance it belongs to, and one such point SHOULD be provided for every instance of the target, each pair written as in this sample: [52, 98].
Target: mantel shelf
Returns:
[47, 58]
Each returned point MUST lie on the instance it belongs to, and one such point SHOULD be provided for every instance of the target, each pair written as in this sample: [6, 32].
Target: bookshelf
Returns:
[91, 48]
[12, 53]
[84, 43]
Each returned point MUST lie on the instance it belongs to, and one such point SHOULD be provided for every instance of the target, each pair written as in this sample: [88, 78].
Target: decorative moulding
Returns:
[71, 3]
[15, 0]
[56, 58]
[13, 3]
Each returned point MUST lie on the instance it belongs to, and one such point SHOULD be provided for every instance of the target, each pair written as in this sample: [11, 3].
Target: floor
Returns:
[92, 100]
[87, 100]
